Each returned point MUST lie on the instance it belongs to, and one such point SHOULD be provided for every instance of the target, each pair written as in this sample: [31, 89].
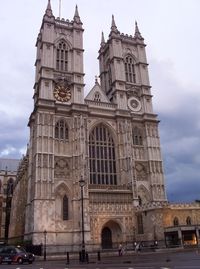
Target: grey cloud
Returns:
[13, 136]
[178, 109]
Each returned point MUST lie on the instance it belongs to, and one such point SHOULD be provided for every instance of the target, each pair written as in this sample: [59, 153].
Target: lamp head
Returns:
[81, 182]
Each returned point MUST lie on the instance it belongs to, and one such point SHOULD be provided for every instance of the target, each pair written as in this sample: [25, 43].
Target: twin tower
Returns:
[107, 140]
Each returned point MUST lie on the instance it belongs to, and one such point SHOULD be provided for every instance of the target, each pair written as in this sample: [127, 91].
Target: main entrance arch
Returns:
[106, 238]
[111, 235]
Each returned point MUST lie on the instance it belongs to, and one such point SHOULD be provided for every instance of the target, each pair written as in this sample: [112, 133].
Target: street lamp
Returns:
[83, 256]
[45, 245]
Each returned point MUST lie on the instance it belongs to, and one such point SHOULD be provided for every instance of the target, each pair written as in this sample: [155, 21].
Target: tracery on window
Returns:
[176, 221]
[108, 74]
[140, 224]
[65, 208]
[130, 69]
[188, 221]
[97, 97]
[137, 136]
[139, 200]
[62, 57]
[102, 157]
[61, 130]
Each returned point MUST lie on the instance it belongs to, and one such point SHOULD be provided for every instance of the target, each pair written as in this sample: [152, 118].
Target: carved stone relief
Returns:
[141, 171]
[61, 167]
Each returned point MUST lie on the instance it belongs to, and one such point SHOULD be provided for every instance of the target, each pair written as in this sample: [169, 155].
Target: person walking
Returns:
[120, 249]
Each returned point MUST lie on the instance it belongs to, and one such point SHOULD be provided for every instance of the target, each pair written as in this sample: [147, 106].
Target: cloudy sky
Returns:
[171, 32]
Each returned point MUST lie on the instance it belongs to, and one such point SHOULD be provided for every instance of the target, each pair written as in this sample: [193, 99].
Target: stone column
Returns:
[180, 237]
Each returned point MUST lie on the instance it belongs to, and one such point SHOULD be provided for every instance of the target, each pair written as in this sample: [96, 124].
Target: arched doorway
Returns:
[106, 238]
[111, 235]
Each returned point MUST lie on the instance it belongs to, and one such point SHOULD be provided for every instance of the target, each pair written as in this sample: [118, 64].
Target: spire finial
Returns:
[76, 12]
[137, 32]
[113, 21]
[48, 9]
[102, 39]
[113, 26]
[76, 15]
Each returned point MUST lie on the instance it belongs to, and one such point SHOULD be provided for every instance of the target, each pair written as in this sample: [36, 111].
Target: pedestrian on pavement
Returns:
[120, 249]
[137, 247]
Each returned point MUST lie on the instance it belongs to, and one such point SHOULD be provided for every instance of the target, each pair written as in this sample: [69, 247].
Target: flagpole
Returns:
[60, 9]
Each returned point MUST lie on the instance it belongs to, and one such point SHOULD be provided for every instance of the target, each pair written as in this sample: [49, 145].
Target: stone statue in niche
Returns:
[61, 167]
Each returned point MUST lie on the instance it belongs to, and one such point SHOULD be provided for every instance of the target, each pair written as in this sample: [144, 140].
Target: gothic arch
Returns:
[61, 130]
[62, 55]
[130, 54]
[130, 68]
[137, 135]
[175, 221]
[97, 96]
[62, 188]
[102, 156]
[188, 221]
[143, 195]
[58, 40]
[111, 234]
[63, 199]
[107, 125]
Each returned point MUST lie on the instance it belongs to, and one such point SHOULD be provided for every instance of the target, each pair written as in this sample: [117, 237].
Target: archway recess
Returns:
[111, 235]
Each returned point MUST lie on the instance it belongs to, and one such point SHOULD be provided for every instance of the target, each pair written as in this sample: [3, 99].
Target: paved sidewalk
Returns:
[113, 258]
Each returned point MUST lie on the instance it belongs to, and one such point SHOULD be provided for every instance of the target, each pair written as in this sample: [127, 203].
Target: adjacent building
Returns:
[8, 172]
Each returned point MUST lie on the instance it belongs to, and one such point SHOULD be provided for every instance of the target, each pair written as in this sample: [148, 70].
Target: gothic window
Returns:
[102, 157]
[61, 130]
[65, 208]
[10, 185]
[140, 224]
[108, 74]
[176, 222]
[137, 137]
[188, 221]
[97, 97]
[62, 57]
[130, 69]
[139, 200]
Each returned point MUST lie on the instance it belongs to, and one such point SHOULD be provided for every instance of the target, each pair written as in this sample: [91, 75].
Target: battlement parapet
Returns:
[64, 23]
[126, 37]
[152, 205]
[163, 204]
[184, 205]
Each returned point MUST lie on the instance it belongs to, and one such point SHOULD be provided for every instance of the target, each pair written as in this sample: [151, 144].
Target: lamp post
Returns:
[83, 256]
[45, 245]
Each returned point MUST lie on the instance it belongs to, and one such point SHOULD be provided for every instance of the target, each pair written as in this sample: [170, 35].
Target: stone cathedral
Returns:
[108, 139]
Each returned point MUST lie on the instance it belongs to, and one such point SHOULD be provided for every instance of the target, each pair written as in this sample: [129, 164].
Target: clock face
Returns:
[134, 104]
[62, 93]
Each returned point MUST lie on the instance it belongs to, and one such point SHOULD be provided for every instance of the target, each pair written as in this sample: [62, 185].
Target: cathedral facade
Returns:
[93, 172]
[109, 140]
